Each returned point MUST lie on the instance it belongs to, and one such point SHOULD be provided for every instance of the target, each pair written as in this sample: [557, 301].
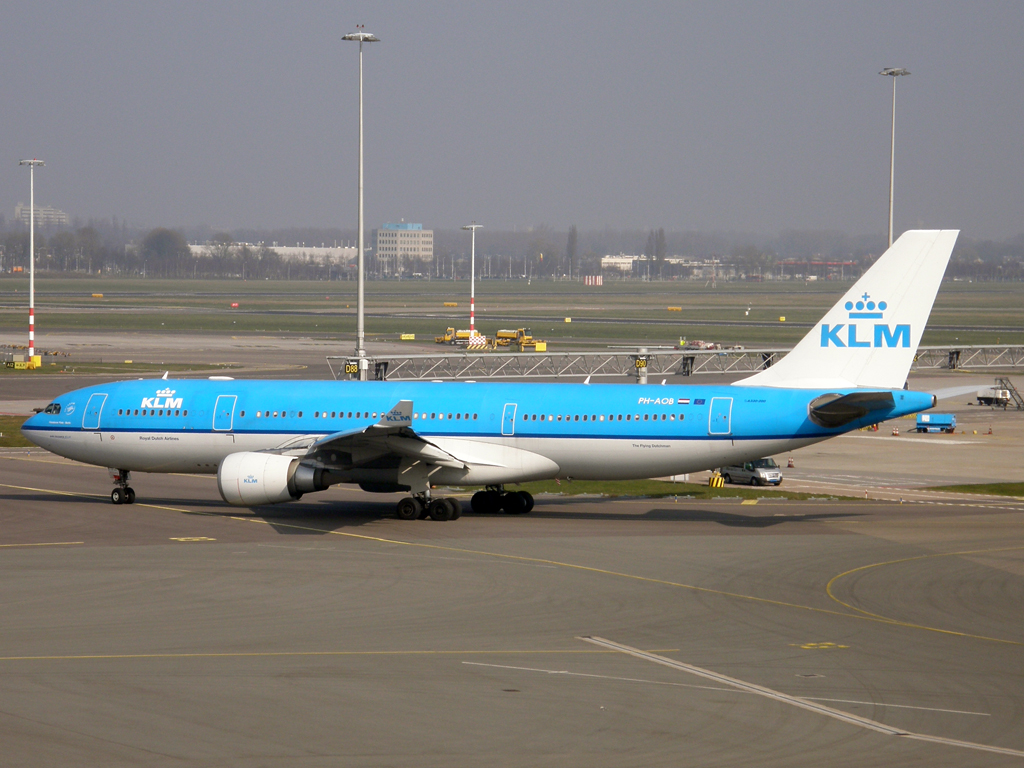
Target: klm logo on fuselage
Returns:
[861, 334]
[164, 399]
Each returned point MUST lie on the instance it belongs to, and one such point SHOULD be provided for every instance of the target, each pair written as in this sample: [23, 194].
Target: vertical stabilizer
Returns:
[870, 337]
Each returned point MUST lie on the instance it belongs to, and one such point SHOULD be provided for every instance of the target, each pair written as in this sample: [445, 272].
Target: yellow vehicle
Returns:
[448, 338]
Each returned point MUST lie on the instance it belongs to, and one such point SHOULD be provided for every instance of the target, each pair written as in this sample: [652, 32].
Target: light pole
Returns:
[472, 276]
[361, 36]
[31, 253]
[893, 72]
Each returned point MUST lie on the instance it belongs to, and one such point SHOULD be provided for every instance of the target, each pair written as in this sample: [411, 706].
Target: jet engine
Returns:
[250, 479]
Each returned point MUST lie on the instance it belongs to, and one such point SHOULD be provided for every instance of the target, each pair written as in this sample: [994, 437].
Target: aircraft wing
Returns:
[392, 435]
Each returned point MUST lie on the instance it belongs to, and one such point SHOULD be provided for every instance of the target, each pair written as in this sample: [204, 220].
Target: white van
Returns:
[757, 472]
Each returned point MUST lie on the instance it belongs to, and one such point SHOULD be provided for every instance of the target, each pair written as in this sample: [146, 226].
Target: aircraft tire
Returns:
[441, 510]
[513, 504]
[456, 507]
[528, 498]
[408, 509]
[129, 495]
[117, 496]
[479, 503]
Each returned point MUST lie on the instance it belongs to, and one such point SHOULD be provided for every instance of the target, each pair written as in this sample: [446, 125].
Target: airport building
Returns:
[397, 245]
[45, 215]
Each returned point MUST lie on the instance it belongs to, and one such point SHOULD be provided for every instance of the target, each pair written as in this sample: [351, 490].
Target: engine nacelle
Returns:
[248, 479]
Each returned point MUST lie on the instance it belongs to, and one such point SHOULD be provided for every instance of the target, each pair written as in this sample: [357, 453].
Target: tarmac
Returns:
[597, 632]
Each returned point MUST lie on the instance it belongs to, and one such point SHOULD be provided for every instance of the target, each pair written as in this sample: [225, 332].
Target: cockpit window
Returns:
[52, 408]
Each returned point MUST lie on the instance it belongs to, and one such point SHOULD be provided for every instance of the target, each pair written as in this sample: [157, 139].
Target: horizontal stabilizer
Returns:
[831, 411]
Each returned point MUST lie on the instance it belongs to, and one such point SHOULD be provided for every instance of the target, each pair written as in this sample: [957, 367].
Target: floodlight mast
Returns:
[31, 253]
[472, 276]
[893, 72]
[361, 36]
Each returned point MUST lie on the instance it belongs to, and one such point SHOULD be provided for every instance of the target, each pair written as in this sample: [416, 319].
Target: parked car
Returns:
[758, 472]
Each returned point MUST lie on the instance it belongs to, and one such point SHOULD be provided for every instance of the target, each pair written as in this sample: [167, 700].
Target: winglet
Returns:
[869, 338]
[399, 416]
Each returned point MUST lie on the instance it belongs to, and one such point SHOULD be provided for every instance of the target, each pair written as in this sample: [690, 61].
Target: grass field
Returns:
[10, 432]
[621, 311]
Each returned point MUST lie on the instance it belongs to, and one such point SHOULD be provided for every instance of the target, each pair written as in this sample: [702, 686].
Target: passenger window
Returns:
[258, 414]
[628, 417]
[682, 416]
[316, 414]
[559, 417]
[449, 416]
[178, 412]
[136, 412]
[576, 417]
[49, 410]
[584, 417]
[526, 417]
[432, 415]
[458, 415]
[646, 416]
[601, 417]
[619, 418]
[474, 417]
[161, 413]
[300, 414]
[672, 417]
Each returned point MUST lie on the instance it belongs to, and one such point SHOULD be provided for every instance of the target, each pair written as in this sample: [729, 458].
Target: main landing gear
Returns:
[122, 493]
[420, 506]
[494, 499]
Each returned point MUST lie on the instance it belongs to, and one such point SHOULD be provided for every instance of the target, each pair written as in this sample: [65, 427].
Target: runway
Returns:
[326, 632]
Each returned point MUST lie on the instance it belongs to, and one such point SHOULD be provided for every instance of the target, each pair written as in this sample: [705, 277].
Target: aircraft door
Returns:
[224, 413]
[720, 418]
[93, 409]
[508, 419]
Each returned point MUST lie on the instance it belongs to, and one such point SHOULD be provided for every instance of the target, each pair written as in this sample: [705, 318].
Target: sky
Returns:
[725, 116]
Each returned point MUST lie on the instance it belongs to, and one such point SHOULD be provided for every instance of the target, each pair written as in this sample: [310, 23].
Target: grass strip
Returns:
[658, 489]
[990, 489]
[10, 432]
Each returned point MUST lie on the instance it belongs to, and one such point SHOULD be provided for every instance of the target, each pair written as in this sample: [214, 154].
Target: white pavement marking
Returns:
[711, 688]
[796, 701]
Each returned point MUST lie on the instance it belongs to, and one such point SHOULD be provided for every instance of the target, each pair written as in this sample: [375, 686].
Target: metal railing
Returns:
[640, 364]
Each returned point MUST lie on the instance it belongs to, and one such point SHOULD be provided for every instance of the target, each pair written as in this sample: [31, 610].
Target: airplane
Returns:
[274, 441]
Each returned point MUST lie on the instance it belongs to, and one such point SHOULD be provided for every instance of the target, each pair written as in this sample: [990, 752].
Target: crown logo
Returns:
[164, 392]
[864, 308]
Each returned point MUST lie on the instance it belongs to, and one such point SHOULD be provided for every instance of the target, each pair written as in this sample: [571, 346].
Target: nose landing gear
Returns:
[122, 493]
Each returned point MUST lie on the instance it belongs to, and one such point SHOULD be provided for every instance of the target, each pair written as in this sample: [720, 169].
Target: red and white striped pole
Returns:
[31, 253]
[472, 277]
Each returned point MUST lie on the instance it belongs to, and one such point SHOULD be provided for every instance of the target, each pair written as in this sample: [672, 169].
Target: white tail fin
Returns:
[870, 337]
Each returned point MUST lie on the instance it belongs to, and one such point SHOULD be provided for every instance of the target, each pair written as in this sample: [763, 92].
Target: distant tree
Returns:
[570, 248]
[165, 251]
[651, 250]
[660, 250]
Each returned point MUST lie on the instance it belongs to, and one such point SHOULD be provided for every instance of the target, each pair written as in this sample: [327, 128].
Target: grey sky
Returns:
[708, 116]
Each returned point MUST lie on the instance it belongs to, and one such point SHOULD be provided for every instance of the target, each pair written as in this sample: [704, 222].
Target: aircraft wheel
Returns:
[117, 496]
[528, 498]
[456, 508]
[727, 478]
[129, 495]
[441, 510]
[481, 503]
[513, 504]
[408, 509]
